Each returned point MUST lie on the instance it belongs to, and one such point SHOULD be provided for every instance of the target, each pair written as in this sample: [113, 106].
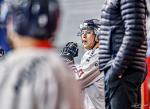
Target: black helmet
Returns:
[93, 24]
[33, 18]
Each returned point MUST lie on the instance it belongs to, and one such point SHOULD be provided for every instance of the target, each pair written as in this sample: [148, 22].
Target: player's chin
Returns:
[87, 47]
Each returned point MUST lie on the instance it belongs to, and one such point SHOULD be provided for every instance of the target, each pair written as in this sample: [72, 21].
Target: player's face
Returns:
[88, 38]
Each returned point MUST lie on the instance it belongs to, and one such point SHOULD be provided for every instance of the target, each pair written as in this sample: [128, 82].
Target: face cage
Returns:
[94, 31]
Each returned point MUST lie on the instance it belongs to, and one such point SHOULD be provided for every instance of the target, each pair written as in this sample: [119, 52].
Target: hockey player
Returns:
[87, 72]
[32, 76]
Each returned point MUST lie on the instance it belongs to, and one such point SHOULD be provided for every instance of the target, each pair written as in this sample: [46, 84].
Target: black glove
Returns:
[70, 51]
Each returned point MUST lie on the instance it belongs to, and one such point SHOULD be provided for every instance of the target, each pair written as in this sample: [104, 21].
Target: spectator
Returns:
[123, 52]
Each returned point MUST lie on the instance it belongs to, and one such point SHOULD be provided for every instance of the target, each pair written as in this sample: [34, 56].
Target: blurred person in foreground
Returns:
[87, 72]
[3, 42]
[32, 76]
[123, 52]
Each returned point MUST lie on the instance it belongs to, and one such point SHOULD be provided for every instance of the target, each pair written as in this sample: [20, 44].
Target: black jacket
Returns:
[123, 35]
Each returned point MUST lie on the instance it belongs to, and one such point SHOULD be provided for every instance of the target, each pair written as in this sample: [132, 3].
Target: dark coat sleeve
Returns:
[133, 14]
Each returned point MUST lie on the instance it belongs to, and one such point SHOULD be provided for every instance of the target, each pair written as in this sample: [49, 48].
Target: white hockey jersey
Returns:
[89, 63]
[36, 78]
[92, 80]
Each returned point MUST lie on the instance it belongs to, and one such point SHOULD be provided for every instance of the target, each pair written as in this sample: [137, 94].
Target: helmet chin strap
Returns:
[95, 42]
